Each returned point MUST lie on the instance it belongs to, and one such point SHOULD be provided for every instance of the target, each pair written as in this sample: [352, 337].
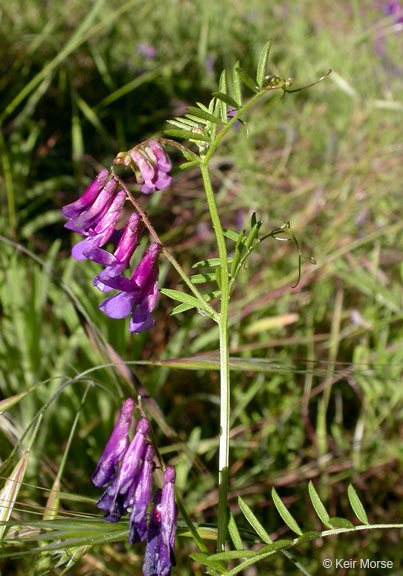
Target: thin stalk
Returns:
[224, 364]
[165, 250]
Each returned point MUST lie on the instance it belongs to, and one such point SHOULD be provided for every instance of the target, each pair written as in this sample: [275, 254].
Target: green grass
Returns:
[326, 405]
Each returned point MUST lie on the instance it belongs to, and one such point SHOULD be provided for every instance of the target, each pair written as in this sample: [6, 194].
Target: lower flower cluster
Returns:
[125, 470]
[99, 216]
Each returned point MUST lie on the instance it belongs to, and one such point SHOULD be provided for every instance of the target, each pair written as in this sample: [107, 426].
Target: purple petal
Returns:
[163, 181]
[147, 187]
[139, 498]
[88, 197]
[163, 162]
[118, 283]
[141, 320]
[119, 305]
[130, 239]
[116, 446]
[144, 165]
[86, 245]
[90, 218]
[152, 553]
[131, 460]
[101, 257]
[112, 503]
[146, 265]
[168, 508]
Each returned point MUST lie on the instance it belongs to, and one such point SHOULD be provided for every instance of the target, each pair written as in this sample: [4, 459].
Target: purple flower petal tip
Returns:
[116, 446]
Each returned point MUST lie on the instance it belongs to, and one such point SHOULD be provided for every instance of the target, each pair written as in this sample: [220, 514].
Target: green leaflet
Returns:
[285, 514]
[253, 521]
[261, 67]
[186, 135]
[356, 504]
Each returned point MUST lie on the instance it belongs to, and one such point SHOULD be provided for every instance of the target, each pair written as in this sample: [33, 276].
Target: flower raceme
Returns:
[98, 215]
[125, 469]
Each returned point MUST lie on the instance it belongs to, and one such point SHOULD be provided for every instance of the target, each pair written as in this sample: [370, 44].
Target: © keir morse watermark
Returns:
[358, 563]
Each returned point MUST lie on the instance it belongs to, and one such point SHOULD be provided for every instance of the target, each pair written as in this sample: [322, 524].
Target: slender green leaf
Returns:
[183, 125]
[8, 495]
[186, 135]
[218, 273]
[308, 536]
[231, 234]
[222, 87]
[336, 522]
[181, 308]
[318, 506]
[8, 403]
[236, 85]
[209, 262]
[246, 79]
[183, 297]
[186, 165]
[227, 99]
[284, 513]
[239, 247]
[253, 521]
[204, 115]
[261, 67]
[234, 532]
[253, 234]
[202, 278]
[234, 554]
[204, 559]
[269, 550]
[184, 307]
[356, 505]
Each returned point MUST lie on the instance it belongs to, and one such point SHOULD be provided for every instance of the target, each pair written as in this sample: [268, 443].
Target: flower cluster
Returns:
[99, 216]
[125, 470]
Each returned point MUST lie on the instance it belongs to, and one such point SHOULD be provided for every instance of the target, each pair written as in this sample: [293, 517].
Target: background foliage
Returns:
[320, 396]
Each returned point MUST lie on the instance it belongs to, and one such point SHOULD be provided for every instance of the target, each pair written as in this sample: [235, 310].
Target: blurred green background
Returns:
[322, 396]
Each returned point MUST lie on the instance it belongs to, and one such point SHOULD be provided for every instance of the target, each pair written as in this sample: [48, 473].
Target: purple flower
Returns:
[113, 498]
[116, 446]
[92, 215]
[159, 557]
[117, 262]
[393, 8]
[154, 167]
[139, 497]
[140, 293]
[151, 557]
[147, 50]
[102, 232]
[168, 523]
[90, 195]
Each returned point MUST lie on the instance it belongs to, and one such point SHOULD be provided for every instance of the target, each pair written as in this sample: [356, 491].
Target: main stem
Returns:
[224, 364]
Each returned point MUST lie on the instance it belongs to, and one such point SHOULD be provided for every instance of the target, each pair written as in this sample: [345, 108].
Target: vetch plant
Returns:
[135, 481]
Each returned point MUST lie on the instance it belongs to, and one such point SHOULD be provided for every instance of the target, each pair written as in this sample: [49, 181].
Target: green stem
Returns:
[224, 363]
